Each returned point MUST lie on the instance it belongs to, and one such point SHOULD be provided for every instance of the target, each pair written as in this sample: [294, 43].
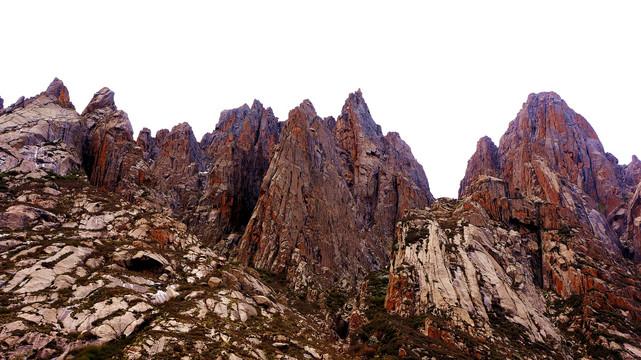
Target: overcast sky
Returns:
[442, 74]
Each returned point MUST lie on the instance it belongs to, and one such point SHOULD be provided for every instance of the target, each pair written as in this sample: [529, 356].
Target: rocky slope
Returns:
[81, 266]
[537, 240]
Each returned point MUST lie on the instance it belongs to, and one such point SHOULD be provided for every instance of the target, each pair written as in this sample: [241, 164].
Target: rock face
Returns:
[111, 159]
[175, 162]
[211, 186]
[541, 221]
[239, 151]
[466, 273]
[41, 133]
[350, 182]
[331, 197]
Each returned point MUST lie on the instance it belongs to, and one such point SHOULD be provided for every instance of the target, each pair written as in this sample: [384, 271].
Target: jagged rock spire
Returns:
[104, 98]
[331, 197]
[59, 91]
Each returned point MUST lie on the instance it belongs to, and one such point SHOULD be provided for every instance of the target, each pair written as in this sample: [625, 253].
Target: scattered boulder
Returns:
[215, 282]
[19, 217]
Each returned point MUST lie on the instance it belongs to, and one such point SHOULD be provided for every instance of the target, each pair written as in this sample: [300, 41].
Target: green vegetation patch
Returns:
[414, 235]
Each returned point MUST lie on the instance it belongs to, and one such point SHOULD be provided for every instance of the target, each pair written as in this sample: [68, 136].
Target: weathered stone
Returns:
[41, 133]
[246, 311]
[241, 147]
[539, 213]
[221, 310]
[327, 183]
[147, 261]
[18, 217]
[110, 157]
[214, 282]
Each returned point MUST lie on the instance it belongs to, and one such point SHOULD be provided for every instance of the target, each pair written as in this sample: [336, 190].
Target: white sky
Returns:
[441, 73]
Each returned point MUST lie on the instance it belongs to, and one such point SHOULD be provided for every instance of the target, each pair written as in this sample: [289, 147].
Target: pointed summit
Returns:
[109, 153]
[546, 115]
[331, 198]
[355, 114]
[58, 91]
[257, 105]
[241, 145]
[551, 154]
[303, 115]
[485, 161]
[548, 137]
[104, 98]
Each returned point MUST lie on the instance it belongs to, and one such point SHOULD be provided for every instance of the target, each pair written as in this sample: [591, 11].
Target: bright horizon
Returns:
[442, 75]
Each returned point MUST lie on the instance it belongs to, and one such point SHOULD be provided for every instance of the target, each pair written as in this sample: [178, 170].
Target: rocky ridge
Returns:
[537, 239]
[42, 132]
[241, 148]
[91, 260]
[271, 239]
[340, 186]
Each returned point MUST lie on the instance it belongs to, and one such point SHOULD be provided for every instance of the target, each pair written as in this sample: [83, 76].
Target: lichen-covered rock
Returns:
[466, 273]
[90, 277]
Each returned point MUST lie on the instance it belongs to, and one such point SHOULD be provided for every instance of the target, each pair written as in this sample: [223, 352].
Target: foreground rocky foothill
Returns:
[310, 238]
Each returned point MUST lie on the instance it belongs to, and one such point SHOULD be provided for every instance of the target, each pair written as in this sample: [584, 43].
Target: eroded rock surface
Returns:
[42, 133]
[89, 271]
[331, 197]
[239, 150]
[539, 230]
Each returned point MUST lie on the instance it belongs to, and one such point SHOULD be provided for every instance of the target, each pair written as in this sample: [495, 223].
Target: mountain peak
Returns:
[58, 91]
[257, 105]
[544, 96]
[104, 98]
[303, 111]
[355, 115]
[485, 161]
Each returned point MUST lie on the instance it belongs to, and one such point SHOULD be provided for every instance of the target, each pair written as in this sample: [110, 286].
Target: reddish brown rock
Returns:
[175, 162]
[239, 151]
[548, 209]
[331, 197]
[485, 161]
[111, 158]
[59, 92]
[551, 155]
[547, 137]
[632, 172]
[633, 221]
